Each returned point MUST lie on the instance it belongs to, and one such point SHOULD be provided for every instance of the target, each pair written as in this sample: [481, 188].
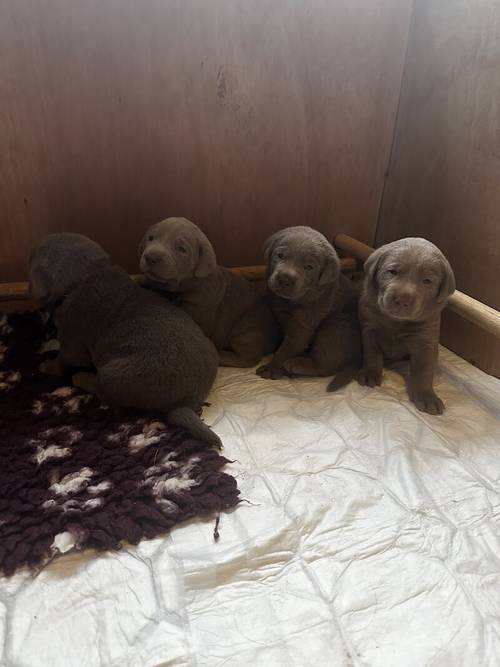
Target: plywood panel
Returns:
[242, 115]
[477, 346]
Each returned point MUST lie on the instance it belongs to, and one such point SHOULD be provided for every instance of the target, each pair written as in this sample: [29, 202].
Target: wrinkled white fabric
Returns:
[370, 537]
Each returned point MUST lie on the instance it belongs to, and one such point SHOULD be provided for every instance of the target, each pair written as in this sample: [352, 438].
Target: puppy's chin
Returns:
[292, 294]
[169, 284]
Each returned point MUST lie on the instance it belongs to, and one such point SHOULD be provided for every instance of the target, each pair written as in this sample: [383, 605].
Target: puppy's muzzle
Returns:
[155, 266]
[401, 303]
[152, 258]
[403, 300]
[284, 284]
[286, 281]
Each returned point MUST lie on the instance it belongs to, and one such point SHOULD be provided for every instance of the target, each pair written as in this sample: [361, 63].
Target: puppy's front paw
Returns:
[51, 367]
[370, 377]
[87, 382]
[298, 366]
[271, 371]
[427, 401]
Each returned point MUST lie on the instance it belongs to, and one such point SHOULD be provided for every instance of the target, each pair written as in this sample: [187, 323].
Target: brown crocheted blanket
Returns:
[75, 474]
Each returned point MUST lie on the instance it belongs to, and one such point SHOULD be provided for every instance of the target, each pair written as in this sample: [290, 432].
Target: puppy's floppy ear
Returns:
[447, 286]
[269, 244]
[371, 266]
[142, 244]
[207, 261]
[144, 241]
[40, 285]
[331, 269]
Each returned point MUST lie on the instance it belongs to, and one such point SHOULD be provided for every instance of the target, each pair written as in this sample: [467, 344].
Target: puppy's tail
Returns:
[191, 422]
[343, 377]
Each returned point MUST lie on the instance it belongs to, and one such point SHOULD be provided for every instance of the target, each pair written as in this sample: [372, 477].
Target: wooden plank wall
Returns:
[245, 116]
[444, 176]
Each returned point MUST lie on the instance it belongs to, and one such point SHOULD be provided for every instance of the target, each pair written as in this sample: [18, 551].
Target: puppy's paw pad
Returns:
[270, 371]
[428, 401]
[370, 378]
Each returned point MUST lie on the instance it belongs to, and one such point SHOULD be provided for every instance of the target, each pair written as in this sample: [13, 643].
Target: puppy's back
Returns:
[118, 320]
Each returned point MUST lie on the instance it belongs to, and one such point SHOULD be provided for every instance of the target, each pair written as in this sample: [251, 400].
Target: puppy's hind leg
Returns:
[89, 382]
[247, 349]
[305, 366]
[335, 347]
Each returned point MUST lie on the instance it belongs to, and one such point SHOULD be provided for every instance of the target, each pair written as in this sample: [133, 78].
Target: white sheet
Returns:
[371, 537]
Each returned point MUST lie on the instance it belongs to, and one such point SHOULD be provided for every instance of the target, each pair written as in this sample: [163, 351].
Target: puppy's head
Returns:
[300, 262]
[59, 262]
[175, 250]
[410, 279]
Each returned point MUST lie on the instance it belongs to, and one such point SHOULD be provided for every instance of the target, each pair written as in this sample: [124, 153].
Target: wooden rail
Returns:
[470, 309]
[19, 291]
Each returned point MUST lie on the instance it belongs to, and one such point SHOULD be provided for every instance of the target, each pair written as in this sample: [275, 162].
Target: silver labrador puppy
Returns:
[140, 351]
[177, 257]
[314, 303]
[406, 286]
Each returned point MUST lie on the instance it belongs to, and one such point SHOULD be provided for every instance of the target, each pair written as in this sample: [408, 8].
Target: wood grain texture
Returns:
[243, 116]
[444, 175]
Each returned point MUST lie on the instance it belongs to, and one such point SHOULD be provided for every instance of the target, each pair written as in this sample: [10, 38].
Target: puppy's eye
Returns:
[182, 249]
[309, 267]
[393, 272]
[427, 281]
[151, 237]
[280, 255]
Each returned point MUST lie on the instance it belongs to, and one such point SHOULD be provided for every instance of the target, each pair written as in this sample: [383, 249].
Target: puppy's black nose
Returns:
[152, 257]
[403, 299]
[286, 280]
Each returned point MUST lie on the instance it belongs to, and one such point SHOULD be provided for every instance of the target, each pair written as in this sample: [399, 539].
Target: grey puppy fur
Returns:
[314, 303]
[177, 257]
[406, 286]
[140, 351]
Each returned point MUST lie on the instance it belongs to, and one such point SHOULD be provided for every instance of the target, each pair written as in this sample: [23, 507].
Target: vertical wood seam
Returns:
[387, 170]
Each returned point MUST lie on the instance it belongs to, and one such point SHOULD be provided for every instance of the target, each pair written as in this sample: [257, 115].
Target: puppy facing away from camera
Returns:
[406, 286]
[136, 349]
[177, 257]
[314, 304]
